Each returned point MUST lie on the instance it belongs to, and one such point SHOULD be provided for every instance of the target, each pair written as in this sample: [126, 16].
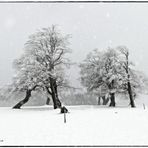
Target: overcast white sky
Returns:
[94, 25]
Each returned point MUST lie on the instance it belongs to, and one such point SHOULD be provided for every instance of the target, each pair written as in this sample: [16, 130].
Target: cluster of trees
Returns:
[42, 68]
[110, 72]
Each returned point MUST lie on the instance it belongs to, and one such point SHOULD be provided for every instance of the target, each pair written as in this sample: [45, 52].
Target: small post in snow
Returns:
[64, 110]
[64, 117]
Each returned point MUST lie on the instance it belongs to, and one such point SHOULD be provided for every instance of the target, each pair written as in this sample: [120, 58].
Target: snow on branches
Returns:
[100, 68]
[110, 71]
[43, 63]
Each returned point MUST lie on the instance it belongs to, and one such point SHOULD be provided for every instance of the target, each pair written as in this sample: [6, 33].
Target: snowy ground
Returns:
[86, 125]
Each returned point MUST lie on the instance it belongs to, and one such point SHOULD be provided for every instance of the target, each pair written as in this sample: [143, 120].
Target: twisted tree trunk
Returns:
[25, 100]
[28, 95]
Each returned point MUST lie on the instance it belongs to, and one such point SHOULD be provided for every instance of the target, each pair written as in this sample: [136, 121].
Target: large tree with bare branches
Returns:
[45, 51]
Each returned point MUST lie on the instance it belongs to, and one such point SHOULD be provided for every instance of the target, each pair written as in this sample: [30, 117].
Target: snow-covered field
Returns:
[86, 125]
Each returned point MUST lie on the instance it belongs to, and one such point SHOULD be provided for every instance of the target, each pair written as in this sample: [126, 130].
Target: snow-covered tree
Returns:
[132, 80]
[27, 78]
[100, 70]
[111, 71]
[44, 62]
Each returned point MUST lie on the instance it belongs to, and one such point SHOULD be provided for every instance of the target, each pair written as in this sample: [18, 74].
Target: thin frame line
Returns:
[74, 146]
[64, 1]
[103, 1]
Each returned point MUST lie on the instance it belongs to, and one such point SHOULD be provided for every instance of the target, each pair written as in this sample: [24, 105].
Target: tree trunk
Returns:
[112, 99]
[47, 101]
[58, 102]
[54, 94]
[132, 103]
[99, 100]
[54, 101]
[104, 100]
[112, 93]
[28, 95]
